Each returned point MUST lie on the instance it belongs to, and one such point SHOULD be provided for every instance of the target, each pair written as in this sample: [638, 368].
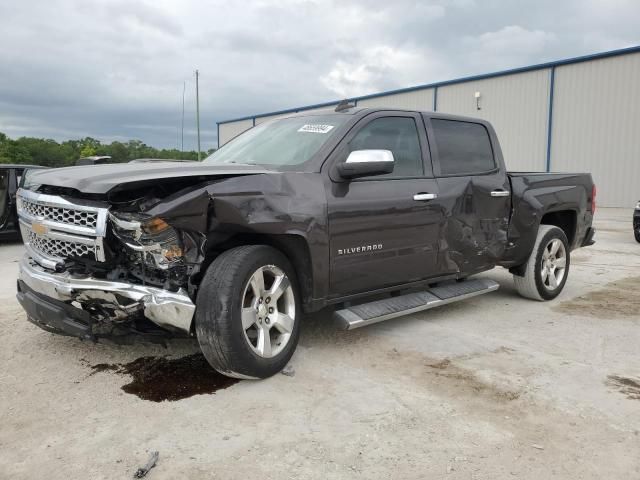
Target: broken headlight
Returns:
[157, 243]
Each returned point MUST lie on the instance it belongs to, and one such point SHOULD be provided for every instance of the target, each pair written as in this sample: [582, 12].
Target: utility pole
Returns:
[184, 86]
[198, 114]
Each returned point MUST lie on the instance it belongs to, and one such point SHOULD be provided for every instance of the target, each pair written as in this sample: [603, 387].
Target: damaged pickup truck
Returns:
[302, 212]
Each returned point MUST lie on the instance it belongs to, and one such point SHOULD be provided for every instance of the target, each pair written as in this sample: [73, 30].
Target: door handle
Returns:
[423, 197]
[500, 193]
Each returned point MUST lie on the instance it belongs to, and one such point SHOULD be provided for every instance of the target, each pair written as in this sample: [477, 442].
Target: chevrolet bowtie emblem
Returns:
[39, 229]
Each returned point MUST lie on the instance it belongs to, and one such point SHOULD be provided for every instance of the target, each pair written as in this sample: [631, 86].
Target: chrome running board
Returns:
[377, 311]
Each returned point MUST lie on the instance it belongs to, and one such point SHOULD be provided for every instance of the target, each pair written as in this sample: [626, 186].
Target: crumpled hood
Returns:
[101, 179]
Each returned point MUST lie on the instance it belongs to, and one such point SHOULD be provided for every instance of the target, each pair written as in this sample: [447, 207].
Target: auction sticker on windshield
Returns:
[315, 128]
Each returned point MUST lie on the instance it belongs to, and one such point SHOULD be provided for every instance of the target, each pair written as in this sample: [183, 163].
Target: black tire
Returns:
[218, 317]
[532, 285]
[636, 230]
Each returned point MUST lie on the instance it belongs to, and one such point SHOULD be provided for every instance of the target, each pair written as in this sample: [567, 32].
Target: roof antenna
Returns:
[344, 105]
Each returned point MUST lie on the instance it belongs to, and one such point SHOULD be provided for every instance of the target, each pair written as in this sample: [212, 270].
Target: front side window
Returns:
[463, 147]
[397, 134]
[279, 143]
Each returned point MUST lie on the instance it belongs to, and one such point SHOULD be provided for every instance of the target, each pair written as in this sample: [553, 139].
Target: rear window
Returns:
[463, 147]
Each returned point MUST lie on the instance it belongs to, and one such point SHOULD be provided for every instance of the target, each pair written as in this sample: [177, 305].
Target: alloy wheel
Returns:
[268, 311]
[554, 264]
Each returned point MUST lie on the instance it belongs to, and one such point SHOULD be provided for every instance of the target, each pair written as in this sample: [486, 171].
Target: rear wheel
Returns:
[248, 314]
[636, 229]
[547, 269]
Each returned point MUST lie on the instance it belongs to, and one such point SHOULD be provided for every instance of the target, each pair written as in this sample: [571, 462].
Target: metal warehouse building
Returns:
[581, 114]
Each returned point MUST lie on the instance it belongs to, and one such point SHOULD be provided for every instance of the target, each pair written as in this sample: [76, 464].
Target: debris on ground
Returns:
[626, 385]
[539, 447]
[288, 371]
[142, 471]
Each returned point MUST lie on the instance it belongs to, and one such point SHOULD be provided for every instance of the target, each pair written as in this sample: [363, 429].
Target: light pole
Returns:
[198, 114]
[184, 86]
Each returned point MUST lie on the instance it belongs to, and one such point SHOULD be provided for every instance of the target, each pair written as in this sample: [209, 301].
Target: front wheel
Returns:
[547, 269]
[636, 229]
[248, 313]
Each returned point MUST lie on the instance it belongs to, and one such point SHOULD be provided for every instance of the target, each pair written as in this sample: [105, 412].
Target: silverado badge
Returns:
[360, 249]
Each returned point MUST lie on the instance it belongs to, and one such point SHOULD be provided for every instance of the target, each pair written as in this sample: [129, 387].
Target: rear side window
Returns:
[397, 134]
[463, 147]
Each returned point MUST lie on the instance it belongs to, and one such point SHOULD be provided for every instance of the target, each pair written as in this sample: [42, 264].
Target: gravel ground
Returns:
[494, 387]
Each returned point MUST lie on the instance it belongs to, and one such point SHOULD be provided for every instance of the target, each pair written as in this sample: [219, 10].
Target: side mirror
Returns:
[364, 163]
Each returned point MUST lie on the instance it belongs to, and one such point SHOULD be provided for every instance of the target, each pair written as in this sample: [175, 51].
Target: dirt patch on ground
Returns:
[465, 379]
[616, 299]
[441, 365]
[626, 385]
[159, 378]
[445, 375]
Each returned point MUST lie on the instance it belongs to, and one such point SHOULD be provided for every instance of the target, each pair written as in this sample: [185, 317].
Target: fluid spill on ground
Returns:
[627, 386]
[159, 378]
[616, 299]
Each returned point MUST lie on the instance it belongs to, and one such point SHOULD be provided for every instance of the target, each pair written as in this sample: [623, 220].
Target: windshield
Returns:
[278, 143]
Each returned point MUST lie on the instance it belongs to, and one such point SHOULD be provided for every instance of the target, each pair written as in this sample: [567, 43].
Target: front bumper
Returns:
[53, 315]
[170, 310]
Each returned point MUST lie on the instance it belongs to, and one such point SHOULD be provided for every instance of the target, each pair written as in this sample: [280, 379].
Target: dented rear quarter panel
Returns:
[536, 194]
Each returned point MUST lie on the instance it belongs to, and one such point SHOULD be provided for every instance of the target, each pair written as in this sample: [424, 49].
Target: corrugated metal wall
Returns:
[416, 100]
[227, 131]
[316, 110]
[266, 118]
[596, 125]
[595, 118]
[516, 106]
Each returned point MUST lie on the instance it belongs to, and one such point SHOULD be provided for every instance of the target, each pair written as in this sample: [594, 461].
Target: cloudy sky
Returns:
[114, 69]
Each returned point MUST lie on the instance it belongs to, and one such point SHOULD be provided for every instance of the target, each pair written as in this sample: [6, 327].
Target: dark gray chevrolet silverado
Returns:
[316, 209]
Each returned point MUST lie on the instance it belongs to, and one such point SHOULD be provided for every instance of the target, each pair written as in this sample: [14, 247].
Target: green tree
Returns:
[11, 152]
[87, 151]
[47, 152]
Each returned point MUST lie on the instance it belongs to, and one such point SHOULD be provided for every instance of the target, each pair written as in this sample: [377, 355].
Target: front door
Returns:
[384, 229]
[474, 191]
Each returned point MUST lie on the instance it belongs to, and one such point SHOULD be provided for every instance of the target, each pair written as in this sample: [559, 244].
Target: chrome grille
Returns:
[61, 215]
[56, 228]
[60, 248]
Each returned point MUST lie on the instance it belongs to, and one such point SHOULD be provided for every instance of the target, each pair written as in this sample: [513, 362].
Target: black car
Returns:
[10, 177]
[636, 222]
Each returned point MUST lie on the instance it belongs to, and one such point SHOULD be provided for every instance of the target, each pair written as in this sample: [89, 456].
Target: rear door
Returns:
[5, 198]
[383, 229]
[474, 192]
